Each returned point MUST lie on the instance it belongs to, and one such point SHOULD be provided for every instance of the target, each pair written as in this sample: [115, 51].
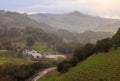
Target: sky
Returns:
[102, 8]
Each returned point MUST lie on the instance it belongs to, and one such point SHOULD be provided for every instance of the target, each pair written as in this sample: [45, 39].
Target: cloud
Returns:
[104, 8]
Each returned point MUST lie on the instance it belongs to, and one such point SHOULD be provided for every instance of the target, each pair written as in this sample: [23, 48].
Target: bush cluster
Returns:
[17, 72]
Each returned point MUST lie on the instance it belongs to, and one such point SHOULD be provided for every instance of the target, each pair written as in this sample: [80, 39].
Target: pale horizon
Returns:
[101, 8]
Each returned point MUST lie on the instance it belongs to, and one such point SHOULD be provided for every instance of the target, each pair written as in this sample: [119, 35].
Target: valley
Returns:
[80, 47]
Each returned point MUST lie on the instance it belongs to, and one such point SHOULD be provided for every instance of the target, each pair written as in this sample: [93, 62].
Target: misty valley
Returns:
[70, 46]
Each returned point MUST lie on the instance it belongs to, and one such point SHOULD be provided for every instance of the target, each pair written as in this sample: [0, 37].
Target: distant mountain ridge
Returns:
[14, 19]
[10, 19]
[77, 22]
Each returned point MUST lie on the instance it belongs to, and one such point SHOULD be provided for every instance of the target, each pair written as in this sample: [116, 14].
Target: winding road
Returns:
[42, 73]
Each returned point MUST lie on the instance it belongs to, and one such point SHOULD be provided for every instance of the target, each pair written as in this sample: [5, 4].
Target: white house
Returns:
[33, 54]
[36, 56]
[29, 52]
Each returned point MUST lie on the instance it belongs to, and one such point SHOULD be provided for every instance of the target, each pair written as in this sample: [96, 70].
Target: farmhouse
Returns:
[33, 54]
[29, 52]
[40, 55]
[36, 56]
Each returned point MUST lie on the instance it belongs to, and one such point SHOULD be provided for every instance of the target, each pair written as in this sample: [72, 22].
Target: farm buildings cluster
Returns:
[33, 54]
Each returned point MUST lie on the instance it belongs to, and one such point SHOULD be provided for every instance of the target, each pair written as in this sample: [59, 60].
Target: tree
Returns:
[13, 32]
[116, 39]
[6, 43]
[74, 61]
[103, 45]
[84, 51]
[63, 67]
[30, 41]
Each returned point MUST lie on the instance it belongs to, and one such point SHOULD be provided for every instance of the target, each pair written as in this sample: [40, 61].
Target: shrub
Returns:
[84, 51]
[63, 67]
[74, 61]
[103, 45]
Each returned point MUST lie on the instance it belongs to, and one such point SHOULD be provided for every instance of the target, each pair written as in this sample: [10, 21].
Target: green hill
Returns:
[98, 67]
[13, 19]
[43, 41]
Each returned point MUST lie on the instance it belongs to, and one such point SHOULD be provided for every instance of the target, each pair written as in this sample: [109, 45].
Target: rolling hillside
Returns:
[98, 67]
[77, 22]
[43, 41]
[85, 37]
[14, 19]
[10, 19]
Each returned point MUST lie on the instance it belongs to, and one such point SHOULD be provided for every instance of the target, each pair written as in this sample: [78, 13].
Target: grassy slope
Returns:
[8, 56]
[100, 67]
[39, 45]
[42, 46]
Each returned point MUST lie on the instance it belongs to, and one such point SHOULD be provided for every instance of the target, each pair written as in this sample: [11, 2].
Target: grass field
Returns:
[9, 56]
[38, 45]
[4, 60]
[41, 46]
[98, 67]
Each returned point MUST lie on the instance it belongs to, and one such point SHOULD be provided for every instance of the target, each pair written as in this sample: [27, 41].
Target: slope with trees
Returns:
[96, 59]
[98, 67]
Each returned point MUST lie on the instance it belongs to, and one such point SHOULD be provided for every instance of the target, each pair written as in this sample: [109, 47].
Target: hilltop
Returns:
[10, 19]
[77, 21]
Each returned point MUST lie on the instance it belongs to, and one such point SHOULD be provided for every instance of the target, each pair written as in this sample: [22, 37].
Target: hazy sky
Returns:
[103, 8]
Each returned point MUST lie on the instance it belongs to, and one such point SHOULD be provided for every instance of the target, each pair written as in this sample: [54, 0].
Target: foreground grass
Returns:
[98, 67]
